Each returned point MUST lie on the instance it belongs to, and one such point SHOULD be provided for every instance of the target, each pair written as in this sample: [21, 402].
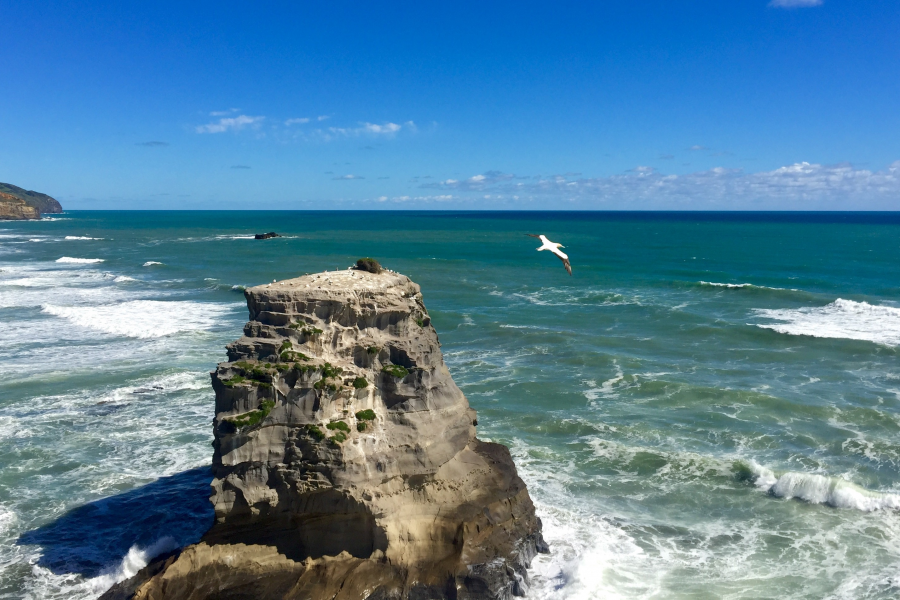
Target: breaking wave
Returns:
[81, 237]
[150, 263]
[840, 319]
[819, 489]
[79, 261]
[136, 559]
[745, 285]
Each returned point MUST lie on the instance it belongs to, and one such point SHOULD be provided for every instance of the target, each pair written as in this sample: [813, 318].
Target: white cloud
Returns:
[474, 183]
[230, 124]
[696, 148]
[299, 121]
[371, 129]
[349, 177]
[795, 3]
[223, 113]
[386, 128]
[798, 186]
[322, 117]
[425, 199]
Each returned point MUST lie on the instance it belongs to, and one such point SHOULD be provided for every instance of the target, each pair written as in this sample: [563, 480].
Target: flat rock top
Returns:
[336, 282]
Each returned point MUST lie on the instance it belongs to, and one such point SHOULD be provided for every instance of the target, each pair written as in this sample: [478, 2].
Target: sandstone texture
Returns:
[43, 203]
[16, 209]
[346, 461]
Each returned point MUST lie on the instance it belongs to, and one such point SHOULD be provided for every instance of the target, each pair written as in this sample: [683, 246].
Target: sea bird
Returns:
[554, 248]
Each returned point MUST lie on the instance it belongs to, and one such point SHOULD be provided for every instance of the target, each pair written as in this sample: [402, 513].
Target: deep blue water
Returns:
[707, 408]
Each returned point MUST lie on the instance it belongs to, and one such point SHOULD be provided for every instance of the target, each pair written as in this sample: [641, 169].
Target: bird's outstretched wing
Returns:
[567, 265]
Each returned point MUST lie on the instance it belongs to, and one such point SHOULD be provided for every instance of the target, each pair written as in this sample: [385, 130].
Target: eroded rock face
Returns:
[346, 463]
[16, 209]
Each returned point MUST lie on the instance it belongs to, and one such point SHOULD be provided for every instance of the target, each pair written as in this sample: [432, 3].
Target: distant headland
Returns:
[17, 204]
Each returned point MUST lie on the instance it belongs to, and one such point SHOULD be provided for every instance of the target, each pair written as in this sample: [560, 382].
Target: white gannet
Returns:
[554, 248]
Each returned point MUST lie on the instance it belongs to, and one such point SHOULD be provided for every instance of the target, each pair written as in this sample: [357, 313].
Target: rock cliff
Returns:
[346, 463]
[15, 209]
[42, 202]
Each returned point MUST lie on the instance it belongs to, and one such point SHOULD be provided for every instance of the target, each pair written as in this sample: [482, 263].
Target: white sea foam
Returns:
[79, 261]
[840, 319]
[7, 519]
[150, 263]
[142, 318]
[123, 278]
[607, 388]
[81, 237]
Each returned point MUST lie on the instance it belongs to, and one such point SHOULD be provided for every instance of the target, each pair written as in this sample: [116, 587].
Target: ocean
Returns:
[708, 408]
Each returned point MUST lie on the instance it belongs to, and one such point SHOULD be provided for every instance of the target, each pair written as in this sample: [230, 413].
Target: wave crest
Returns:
[79, 261]
[820, 489]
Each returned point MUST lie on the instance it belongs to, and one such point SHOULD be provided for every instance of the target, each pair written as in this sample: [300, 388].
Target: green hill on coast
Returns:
[42, 202]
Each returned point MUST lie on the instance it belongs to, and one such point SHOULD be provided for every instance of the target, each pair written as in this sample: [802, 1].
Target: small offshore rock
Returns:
[266, 236]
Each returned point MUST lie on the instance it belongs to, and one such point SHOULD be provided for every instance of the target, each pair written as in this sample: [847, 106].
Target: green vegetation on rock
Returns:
[339, 425]
[315, 432]
[361, 426]
[397, 371]
[339, 438]
[368, 264]
[291, 356]
[328, 370]
[236, 379]
[366, 415]
[360, 383]
[253, 417]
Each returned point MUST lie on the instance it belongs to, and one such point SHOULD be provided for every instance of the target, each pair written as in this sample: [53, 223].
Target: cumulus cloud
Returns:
[348, 177]
[230, 124]
[794, 3]
[298, 121]
[153, 144]
[801, 185]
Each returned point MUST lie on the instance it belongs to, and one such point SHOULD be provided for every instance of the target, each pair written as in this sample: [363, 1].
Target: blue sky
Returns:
[677, 104]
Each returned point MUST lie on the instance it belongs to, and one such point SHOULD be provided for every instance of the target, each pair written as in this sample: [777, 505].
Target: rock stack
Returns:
[346, 463]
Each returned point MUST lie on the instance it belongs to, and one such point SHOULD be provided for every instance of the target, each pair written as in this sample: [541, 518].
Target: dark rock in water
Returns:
[42, 203]
[265, 236]
[325, 488]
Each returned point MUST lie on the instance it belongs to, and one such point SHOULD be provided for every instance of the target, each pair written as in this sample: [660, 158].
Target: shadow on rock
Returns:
[95, 537]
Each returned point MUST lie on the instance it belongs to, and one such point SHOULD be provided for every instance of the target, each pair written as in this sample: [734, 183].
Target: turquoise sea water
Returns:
[708, 408]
